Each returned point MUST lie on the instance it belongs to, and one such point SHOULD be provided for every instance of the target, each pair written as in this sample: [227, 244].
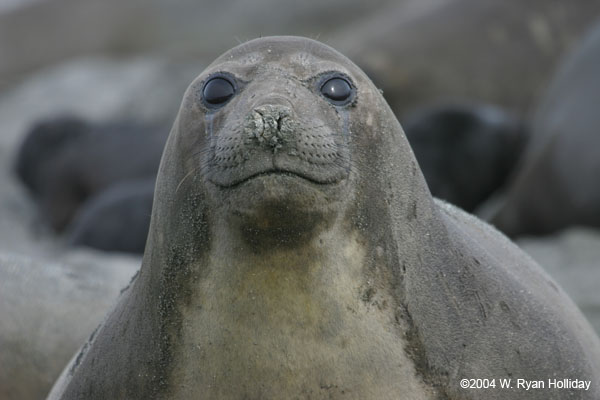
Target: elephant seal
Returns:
[117, 219]
[466, 151]
[295, 252]
[557, 183]
[49, 307]
[501, 53]
[65, 160]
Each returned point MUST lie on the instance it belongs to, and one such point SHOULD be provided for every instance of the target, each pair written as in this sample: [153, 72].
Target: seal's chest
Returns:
[292, 340]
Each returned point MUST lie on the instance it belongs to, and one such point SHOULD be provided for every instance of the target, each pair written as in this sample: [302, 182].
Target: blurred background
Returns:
[498, 98]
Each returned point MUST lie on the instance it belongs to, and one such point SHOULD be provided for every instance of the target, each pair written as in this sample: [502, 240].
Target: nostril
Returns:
[270, 124]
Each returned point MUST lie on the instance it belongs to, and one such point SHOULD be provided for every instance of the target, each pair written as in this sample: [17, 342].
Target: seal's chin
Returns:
[278, 206]
[285, 217]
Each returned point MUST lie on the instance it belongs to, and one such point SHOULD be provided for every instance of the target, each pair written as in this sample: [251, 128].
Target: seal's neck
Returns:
[279, 278]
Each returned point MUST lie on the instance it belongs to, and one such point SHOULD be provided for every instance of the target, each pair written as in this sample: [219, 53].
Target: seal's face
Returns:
[282, 125]
[268, 113]
[275, 127]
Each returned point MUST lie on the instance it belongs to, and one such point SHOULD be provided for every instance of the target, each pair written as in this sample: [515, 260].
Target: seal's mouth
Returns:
[276, 172]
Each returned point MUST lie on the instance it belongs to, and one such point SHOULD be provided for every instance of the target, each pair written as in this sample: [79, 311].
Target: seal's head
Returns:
[278, 134]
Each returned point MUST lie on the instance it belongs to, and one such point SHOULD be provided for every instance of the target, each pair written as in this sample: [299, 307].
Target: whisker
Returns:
[185, 177]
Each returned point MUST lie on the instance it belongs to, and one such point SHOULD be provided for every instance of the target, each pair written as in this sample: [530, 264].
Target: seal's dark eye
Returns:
[218, 90]
[337, 89]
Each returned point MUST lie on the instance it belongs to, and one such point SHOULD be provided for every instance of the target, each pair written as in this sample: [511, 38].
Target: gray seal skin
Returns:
[295, 252]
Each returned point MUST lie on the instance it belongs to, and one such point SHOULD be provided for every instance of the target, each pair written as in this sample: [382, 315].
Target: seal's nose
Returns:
[270, 125]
